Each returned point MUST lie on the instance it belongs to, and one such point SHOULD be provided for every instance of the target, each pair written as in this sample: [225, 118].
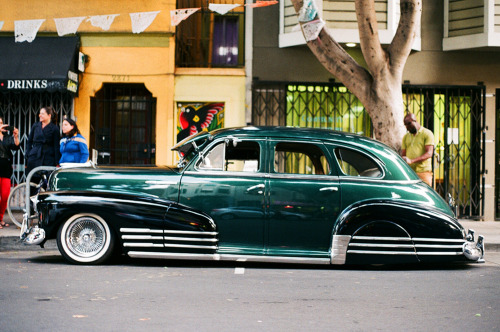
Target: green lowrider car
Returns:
[266, 194]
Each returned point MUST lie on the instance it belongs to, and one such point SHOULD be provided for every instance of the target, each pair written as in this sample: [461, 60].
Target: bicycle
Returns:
[16, 202]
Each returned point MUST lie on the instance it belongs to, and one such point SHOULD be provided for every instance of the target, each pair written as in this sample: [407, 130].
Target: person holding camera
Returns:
[8, 142]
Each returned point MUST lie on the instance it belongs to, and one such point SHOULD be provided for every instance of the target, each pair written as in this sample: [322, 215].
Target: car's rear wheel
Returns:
[85, 239]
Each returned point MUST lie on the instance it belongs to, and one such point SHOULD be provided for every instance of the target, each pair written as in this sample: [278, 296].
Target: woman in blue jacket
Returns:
[73, 145]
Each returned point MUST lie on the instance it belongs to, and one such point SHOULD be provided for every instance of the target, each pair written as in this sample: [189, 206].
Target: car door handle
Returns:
[257, 187]
[329, 189]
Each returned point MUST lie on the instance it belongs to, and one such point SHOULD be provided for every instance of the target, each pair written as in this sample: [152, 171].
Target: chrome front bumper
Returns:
[473, 250]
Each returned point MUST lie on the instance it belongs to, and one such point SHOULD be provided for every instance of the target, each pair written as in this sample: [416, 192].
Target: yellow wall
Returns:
[151, 65]
[212, 85]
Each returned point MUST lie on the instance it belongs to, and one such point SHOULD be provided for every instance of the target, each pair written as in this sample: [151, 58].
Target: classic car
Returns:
[268, 194]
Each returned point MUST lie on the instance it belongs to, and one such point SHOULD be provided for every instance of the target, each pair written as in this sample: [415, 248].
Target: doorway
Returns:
[123, 125]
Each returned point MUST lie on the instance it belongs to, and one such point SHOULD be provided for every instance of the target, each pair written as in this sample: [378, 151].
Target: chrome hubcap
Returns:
[86, 237]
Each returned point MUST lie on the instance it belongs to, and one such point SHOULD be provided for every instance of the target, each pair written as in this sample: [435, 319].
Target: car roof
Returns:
[297, 132]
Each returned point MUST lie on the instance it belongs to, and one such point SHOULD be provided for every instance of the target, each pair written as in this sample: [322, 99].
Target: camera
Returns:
[9, 128]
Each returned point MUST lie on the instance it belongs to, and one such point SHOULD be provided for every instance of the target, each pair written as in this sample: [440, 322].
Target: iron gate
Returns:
[20, 109]
[454, 113]
[123, 124]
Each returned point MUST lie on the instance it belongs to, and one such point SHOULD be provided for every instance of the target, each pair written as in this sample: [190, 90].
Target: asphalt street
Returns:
[40, 291]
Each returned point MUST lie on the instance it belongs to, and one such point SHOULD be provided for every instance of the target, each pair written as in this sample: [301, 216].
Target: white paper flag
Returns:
[221, 8]
[68, 25]
[1, 25]
[26, 30]
[177, 16]
[102, 21]
[141, 21]
[312, 29]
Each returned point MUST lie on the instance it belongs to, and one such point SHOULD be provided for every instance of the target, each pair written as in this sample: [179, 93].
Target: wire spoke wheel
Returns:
[85, 238]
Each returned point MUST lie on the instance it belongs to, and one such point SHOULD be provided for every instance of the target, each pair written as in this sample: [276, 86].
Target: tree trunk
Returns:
[379, 86]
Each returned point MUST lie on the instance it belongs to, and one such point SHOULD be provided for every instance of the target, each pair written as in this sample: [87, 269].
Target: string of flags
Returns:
[26, 30]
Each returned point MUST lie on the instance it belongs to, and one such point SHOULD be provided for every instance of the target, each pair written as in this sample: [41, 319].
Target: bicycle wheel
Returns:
[16, 204]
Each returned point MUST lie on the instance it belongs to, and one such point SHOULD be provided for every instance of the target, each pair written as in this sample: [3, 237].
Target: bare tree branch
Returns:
[338, 62]
[373, 53]
[401, 44]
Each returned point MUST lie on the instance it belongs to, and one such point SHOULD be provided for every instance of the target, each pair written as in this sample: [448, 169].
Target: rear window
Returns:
[353, 163]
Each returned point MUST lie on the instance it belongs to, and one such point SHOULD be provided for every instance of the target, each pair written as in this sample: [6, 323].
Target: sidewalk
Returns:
[9, 236]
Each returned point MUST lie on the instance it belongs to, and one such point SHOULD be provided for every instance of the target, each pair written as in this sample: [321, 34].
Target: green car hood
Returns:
[160, 182]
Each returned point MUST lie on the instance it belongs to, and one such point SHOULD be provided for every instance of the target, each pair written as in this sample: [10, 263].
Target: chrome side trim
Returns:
[380, 238]
[190, 232]
[191, 246]
[192, 239]
[381, 252]
[141, 230]
[141, 237]
[338, 254]
[143, 245]
[380, 245]
[437, 253]
[419, 239]
[238, 258]
[448, 246]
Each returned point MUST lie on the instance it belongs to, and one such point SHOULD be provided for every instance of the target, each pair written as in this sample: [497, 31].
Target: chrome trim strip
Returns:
[450, 246]
[339, 249]
[462, 241]
[220, 173]
[141, 230]
[239, 258]
[381, 252]
[191, 246]
[189, 232]
[381, 245]
[192, 239]
[143, 245]
[381, 238]
[141, 237]
[444, 253]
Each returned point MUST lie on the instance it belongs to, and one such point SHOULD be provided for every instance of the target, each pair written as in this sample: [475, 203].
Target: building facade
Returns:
[117, 83]
[450, 82]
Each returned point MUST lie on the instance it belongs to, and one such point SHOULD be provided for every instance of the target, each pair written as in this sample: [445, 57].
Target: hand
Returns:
[408, 160]
[15, 133]
[2, 128]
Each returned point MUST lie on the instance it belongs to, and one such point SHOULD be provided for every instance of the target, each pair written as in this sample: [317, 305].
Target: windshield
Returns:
[189, 147]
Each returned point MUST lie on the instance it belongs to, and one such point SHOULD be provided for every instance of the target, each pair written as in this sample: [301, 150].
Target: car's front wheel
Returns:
[85, 239]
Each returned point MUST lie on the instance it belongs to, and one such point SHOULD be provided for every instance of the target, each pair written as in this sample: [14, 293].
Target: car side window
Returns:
[232, 156]
[353, 163]
[300, 158]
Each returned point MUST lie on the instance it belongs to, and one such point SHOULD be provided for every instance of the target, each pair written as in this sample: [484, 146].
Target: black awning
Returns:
[42, 65]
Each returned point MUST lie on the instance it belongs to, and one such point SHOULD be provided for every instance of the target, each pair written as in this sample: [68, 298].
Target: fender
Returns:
[125, 210]
[388, 231]
[413, 218]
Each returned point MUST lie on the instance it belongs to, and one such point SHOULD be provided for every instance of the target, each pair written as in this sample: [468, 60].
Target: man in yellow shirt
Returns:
[418, 147]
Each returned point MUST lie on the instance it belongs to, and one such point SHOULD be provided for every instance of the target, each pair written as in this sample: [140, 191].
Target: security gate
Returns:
[20, 109]
[123, 123]
[454, 114]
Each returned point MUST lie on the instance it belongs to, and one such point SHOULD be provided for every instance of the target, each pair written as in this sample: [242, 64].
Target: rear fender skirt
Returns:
[417, 220]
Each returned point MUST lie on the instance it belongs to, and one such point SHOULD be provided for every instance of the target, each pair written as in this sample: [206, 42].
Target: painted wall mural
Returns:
[193, 117]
